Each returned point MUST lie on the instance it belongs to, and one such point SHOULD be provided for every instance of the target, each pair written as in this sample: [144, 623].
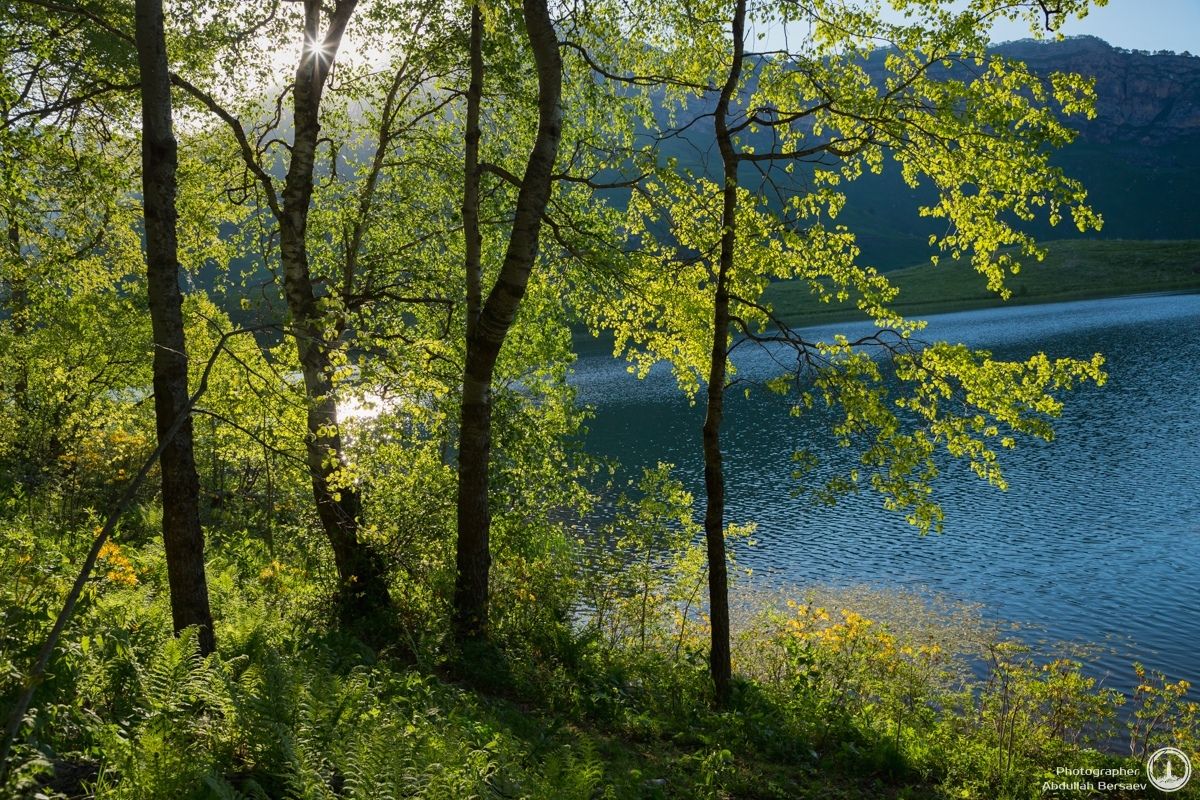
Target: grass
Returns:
[1072, 270]
[841, 694]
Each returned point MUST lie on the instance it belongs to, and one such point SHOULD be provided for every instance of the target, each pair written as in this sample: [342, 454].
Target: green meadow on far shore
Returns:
[1072, 270]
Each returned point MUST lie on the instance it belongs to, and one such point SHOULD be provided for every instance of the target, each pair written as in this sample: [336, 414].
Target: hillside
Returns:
[1139, 157]
[1147, 99]
[1073, 270]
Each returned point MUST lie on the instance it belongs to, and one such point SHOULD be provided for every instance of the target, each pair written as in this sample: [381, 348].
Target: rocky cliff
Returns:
[1142, 98]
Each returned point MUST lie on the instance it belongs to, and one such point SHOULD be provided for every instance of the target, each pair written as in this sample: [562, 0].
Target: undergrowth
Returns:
[594, 685]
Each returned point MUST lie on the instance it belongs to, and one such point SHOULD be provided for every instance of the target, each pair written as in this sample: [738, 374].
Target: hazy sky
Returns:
[1135, 24]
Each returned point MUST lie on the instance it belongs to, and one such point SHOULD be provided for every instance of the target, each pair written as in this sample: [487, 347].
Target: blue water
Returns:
[1096, 540]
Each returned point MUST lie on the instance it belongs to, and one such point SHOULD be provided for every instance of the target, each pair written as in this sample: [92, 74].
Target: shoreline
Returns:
[924, 311]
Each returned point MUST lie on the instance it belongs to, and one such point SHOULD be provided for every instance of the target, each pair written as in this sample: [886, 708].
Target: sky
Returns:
[1135, 25]
[1132, 24]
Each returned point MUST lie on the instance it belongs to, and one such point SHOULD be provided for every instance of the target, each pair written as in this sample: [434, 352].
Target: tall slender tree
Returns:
[182, 535]
[714, 411]
[339, 506]
[318, 303]
[490, 325]
[791, 126]
[360, 240]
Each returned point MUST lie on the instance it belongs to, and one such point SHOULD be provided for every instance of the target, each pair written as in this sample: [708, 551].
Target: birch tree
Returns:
[843, 91]
[182, 535]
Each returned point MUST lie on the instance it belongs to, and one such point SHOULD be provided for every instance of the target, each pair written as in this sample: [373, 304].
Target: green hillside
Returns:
[1072, 270]
[1139, 157]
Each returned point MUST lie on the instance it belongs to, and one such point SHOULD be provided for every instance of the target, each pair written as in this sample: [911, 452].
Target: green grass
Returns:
[1072, 270]
[829, 703]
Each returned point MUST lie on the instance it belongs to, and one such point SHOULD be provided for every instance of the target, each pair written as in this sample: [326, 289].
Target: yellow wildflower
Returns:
[119, 567]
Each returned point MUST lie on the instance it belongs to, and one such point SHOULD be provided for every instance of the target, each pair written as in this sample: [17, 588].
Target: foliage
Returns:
[1071, 271]
[593, 682]
[867, 694]
[1163, 716]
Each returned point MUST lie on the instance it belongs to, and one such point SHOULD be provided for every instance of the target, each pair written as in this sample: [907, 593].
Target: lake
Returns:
[1096, 540]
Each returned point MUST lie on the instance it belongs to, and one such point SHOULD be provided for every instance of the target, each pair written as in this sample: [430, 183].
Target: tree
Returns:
[73, 234]
[490, 319]
[539, 226]
[338, 250]
[182, 535]
[791, 124]
[360, 223]
[339, 506]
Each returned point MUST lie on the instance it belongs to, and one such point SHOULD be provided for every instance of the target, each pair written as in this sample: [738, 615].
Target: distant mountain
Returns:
[1146, 99]
[1139, 158]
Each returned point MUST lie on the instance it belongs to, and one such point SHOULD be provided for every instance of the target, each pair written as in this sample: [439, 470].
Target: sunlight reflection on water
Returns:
[1096, 540]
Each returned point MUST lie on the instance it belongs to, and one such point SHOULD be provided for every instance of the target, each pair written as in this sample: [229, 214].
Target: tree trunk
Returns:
[18, 313]
[486, 334]
[362, 589]
[720, 662]
[473, 556]
[182, 536]
[473, 246]
[18, 297]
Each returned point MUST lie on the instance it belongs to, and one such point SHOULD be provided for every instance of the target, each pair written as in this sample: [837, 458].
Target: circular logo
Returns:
[1169, 769]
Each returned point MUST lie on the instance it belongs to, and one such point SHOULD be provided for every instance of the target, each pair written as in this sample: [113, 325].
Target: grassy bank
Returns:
[840, 695]
[1072, 270]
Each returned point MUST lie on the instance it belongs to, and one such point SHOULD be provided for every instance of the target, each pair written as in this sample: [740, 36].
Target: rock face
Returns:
[1142, 98]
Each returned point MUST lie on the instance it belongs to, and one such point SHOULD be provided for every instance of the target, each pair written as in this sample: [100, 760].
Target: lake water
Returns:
[1096, 540]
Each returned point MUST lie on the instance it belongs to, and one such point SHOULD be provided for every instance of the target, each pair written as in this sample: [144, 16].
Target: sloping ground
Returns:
[1072, 270]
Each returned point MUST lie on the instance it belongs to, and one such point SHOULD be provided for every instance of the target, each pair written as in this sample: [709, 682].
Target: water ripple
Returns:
[1097, 538]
